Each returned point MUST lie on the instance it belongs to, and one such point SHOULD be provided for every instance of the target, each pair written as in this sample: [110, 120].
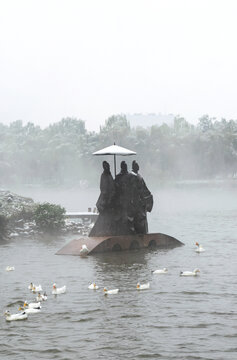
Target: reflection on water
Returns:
[177, 318]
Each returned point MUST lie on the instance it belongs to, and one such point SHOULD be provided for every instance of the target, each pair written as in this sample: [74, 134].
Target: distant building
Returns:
[148, 119]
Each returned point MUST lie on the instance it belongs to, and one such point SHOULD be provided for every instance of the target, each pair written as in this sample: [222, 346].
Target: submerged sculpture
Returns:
[123, 203]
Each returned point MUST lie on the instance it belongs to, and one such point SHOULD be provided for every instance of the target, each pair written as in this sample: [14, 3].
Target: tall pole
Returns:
[114, 166]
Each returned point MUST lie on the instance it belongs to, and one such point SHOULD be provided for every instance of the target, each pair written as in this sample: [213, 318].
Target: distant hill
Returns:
[149, 119]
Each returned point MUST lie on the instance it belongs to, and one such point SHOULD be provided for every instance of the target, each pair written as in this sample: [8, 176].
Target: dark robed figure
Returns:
[105, 224]
[122, 199]
[107, 189]
[123, 203]
[141, 201]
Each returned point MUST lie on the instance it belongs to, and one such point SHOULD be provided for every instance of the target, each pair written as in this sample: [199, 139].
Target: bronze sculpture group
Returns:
[123, 203]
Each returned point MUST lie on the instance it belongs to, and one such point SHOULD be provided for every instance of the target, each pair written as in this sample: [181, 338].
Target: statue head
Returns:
[135, 166]
[106, 166]
[124, 167]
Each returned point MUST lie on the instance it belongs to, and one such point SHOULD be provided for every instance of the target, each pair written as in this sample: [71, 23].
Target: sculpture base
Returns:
[119, 243]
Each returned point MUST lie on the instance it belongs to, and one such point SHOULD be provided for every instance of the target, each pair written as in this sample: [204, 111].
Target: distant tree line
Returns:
[61, 154]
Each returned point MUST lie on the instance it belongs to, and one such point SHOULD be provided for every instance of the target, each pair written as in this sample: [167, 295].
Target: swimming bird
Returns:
[30, 287]
[143, 286]
[10, 268]
[199, 248]
[93, 286]
[30, 310]
[190, 273]
[110, 292]
[84, 250]
[36, 288]
[33, 305]
[160, 271]
[41, 297]
[60, 290]
[13, 317]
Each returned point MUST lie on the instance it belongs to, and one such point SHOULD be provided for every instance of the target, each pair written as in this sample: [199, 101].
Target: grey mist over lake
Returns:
[158, 78]
[177, 318]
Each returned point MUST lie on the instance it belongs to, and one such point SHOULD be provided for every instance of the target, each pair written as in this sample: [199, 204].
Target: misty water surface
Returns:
[178, 318]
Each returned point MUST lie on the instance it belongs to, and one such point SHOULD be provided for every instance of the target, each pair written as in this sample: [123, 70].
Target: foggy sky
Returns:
[93, 58]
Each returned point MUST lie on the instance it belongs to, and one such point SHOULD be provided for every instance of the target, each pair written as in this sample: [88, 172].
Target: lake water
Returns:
[177, 318]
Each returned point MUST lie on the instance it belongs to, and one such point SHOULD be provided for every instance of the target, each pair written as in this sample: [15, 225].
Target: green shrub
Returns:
[49, 217]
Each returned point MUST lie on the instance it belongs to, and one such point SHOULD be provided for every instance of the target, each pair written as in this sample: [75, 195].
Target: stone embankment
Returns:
[17, 218]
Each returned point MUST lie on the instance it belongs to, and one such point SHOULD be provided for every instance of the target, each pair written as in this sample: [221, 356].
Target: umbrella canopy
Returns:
[115, 150]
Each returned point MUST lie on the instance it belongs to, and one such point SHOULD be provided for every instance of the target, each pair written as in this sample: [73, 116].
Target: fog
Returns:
[182, 165]
[71, 69]
[91, 59]
[60, 156]
[173, 199]
[185, 212]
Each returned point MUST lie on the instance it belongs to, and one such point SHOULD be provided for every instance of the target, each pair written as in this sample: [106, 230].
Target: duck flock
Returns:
[35, 307]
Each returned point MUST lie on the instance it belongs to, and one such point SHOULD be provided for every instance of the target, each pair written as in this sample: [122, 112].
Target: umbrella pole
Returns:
[114, 166]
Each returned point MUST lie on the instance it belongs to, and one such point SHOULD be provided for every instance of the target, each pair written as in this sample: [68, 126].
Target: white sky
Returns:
[93, 58]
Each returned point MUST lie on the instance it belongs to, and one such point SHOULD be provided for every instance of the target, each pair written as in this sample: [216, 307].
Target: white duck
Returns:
[84, 250]
[60, 290]
[110, 292]
[13, 317]
[190, 273]
[32, 305]
[30, 287]
[29, 310]
[93, 286]
[199, 248]
[41, 297]
[10, 268]
[160, 271]
[36, 288]
[143, 286]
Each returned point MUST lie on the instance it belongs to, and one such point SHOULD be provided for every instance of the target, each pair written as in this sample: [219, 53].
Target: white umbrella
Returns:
[115, 150]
